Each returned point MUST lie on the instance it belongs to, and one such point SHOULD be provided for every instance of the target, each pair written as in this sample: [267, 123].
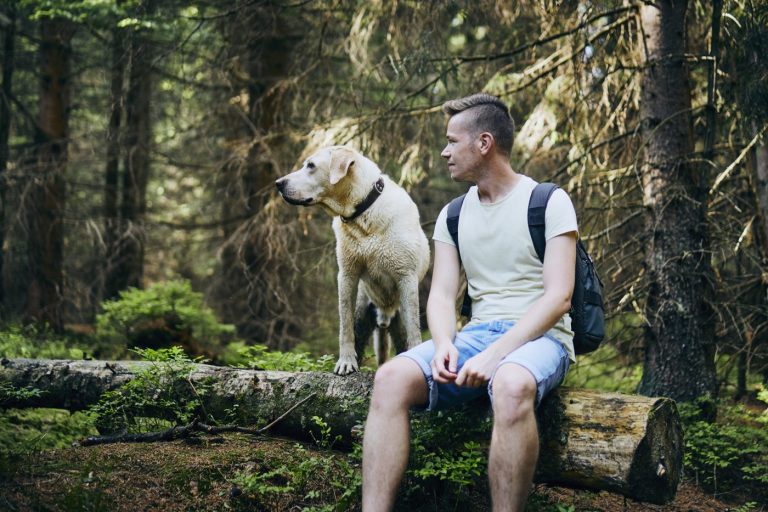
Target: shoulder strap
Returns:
[452, 219]
[537, 208]
[454, 209]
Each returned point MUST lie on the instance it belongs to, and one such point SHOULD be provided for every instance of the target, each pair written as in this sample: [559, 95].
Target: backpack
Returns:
[587, 314]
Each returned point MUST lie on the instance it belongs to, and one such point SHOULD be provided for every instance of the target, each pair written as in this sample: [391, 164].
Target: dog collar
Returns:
[372, 196]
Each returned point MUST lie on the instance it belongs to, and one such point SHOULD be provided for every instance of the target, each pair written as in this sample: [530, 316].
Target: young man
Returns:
[518, 343]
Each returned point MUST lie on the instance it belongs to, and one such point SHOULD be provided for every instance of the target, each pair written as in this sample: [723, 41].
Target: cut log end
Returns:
[656, 468]
[629, 445]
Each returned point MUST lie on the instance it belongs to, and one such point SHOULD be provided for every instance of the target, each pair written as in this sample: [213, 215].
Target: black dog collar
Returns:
[372, 196]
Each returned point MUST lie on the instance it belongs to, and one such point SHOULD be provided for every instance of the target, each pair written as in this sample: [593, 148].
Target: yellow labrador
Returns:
[381, 250]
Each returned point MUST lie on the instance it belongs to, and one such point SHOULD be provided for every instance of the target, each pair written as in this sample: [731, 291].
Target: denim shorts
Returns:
[545, 358]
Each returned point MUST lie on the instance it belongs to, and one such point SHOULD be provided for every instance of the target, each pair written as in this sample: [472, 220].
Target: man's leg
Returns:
[398, 386]
[515, 439]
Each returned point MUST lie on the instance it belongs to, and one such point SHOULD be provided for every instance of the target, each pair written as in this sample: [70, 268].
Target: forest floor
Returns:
[237, 472]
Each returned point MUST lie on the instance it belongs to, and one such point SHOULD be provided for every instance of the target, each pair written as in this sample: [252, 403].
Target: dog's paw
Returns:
[346, 365]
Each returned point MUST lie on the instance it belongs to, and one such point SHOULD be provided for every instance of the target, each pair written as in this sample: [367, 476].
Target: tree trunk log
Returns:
[627, 444]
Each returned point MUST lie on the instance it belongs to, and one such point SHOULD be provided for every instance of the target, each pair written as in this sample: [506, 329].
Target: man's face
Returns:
[461, 151]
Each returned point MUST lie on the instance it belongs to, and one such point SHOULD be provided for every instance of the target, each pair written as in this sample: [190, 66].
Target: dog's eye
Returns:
[310, 165]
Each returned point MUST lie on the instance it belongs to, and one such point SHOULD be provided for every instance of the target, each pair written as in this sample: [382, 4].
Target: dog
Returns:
[381, 250]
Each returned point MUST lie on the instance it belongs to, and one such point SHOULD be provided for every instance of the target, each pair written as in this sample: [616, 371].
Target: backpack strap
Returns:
[452, 219]
[454, 209]
[537, 209]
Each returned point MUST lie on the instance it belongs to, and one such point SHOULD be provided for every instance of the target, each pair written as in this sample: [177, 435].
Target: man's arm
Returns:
[559, 276]
[441, 310]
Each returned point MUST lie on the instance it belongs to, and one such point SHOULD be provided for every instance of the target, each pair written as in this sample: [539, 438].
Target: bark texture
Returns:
[7, 63]
[627, 444]
[679, 357]
[112, 171]
[760, 187]
[45, 200]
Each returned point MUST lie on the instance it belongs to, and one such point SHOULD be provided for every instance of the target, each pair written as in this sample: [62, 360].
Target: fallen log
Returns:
[627, 444]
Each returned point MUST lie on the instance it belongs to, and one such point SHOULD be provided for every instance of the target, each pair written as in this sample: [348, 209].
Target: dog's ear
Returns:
[341, 161]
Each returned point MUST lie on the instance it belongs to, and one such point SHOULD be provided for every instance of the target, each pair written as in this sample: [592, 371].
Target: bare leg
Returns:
[398, 386]
[515, 439]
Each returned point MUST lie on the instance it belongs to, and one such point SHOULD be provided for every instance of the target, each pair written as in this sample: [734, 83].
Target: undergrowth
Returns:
[728, 456]
[30, 341]
[447, 466]
[259, 357]
[159, 396]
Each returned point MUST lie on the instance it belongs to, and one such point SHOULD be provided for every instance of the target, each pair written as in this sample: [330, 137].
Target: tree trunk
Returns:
[760, 188]
[679, 357]
[112, 174]
[603, 441]
[128, 265]
[264, 39]
[45, 200]
[9, 35]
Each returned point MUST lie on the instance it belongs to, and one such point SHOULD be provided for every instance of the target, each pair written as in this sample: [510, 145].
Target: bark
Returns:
[604, 441]
[679, 356]
[760, 189]
[711, 109]
[112, 174]
[9, 36]
[127, 269]
[45, 200]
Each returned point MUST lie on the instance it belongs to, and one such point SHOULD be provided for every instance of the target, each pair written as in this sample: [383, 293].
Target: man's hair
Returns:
[486, 114]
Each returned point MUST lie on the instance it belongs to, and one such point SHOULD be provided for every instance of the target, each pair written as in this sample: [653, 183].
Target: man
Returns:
[518, 343]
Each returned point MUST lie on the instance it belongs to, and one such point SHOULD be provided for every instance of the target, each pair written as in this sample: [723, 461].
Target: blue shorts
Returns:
[545, 358]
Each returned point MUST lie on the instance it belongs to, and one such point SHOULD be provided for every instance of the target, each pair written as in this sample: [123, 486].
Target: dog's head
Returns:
[318, 177]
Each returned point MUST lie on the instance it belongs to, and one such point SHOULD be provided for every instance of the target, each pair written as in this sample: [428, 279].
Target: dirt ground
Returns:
[202, 475]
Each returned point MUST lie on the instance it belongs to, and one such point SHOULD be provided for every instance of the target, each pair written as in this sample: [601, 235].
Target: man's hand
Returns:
[444, 363]
[478, 370]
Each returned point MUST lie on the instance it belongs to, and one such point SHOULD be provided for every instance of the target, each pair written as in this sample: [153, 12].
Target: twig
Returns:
[175, 432]
[262, 430]
[723, 175]
[184, 431]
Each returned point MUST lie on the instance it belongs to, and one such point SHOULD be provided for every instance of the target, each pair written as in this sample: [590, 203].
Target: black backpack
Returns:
[587, 315]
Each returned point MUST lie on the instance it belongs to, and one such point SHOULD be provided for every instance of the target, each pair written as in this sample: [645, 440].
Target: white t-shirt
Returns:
[504, 273]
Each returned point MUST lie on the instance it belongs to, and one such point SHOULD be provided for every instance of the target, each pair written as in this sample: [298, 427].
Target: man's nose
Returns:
[445, 153]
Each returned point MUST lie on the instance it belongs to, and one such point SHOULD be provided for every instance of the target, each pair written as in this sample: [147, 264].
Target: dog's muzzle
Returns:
[281, 185]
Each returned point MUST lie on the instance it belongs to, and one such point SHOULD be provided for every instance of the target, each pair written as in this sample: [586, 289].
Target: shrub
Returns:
[448, 459]
[158, 397]
[165, 314]
[730, 455]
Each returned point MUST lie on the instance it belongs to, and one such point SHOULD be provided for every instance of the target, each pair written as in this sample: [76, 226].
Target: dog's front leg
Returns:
[409, 307]
[348, 284]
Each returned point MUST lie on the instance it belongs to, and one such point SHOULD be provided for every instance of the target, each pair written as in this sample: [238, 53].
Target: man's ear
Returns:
[341, 161]
[486, 142]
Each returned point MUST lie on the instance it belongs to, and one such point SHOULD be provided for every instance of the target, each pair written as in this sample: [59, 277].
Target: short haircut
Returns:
[487, 114]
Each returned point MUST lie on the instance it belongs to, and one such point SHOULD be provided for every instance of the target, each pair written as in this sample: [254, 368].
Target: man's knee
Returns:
[514, 393]
[399, 382]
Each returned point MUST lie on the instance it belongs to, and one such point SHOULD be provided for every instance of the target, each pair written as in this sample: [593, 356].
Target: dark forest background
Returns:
[139, 143]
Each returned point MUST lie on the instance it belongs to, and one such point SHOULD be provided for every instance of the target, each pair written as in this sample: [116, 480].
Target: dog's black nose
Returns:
[280, 184]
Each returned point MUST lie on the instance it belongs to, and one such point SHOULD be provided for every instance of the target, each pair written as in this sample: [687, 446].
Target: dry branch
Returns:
[627, 444]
